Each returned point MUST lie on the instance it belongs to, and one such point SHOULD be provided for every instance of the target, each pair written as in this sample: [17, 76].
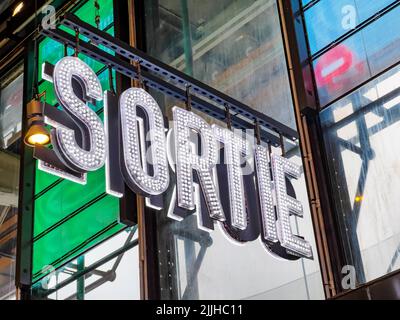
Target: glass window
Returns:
[360, 133]
[327, 20]
[11, 108]
[111, 271]
[305, 2]
[233, 48]
[236, 47]
[382, 41]
[367, 8]
[11, 93]
[341, 68]
[353, 61]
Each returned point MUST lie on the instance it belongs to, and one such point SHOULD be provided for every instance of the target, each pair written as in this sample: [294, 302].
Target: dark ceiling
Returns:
[4, 4]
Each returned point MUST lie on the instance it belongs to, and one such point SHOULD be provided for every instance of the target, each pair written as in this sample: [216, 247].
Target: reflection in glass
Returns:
[11, 108]
[328, 20]
[351, 62]
[236, 47]
[382, 41]
[367, 9]
[341, 68]
[11, 92]
[107, 272]
[361, 133]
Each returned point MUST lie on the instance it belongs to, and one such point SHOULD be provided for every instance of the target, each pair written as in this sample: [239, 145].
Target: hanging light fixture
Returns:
[37, 133]
[18, 9]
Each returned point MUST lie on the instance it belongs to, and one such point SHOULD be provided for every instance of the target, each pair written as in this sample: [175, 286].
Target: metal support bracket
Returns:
[168, 80]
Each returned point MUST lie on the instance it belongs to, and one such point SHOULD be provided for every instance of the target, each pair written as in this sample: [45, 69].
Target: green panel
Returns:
[70, 218]
[43, 180]
[50, 51]
[87, 13]
[50, 93]
[63, 199]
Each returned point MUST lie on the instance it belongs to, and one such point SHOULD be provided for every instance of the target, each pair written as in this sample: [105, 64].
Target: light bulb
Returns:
[39, 138]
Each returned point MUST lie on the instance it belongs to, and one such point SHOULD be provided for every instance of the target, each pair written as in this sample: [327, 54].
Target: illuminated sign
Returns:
[220, 174]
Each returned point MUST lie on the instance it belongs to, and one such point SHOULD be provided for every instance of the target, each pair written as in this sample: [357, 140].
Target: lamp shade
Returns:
[37, 135]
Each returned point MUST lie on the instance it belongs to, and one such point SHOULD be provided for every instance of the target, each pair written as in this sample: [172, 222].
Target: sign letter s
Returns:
[91, 153]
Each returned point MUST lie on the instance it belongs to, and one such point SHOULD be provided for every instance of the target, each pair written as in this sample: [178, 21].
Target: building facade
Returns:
[320, 79]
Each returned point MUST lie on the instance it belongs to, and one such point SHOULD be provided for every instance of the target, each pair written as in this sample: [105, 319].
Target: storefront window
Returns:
[11, 93]
[11, 108]
[235, 47]
[341, 68]
[305, 2]
[230, 45]
[327, 20]
[360, 133]
[350, 41]
[109, 271]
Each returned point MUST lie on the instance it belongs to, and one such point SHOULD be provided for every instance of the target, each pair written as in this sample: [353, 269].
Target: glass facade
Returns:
[228, 45]
[350, 42]
[109, 271]
[236, 47]
[328, 20]
[354, 51]
[360, 134]
[11, 93]
[81, 250]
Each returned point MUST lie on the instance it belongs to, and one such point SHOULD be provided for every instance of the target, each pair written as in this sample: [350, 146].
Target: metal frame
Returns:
[162, 77]
[128, 14]
[305, 106]
[23, 276]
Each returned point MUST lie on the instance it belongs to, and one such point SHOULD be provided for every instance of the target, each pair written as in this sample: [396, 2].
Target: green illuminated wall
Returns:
[70, 218]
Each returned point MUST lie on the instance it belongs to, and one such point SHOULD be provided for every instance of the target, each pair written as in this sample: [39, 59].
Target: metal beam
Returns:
[155, 73]
[154, 82]
[109, 276]
[93, 266]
